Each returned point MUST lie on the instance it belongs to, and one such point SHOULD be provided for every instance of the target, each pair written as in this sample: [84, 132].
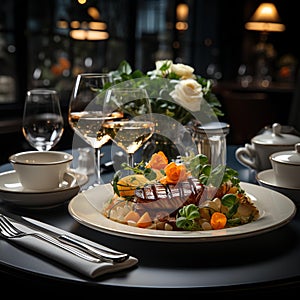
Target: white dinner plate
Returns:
[12, 192]
[275, 210]
[267, 179]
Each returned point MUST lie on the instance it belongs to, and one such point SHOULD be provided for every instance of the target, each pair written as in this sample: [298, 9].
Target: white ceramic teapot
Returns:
[256, 155]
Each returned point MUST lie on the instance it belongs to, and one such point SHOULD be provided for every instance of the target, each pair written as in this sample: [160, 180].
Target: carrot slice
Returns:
[218, 220]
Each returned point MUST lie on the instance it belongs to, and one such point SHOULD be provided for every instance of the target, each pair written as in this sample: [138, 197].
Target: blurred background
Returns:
[252, 57]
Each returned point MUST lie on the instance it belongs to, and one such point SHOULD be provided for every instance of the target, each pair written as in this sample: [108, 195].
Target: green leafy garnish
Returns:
[232, 202]
[114, 183]
[187, 217]
[140, 168]
[200, 168]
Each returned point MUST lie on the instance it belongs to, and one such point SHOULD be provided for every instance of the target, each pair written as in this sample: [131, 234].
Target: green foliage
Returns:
[160, 103]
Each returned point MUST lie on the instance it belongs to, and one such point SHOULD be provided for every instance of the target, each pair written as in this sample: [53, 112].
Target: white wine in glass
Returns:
[88, 124]
[43, 123]
[86, 113]
[136, 127]
[129, 135]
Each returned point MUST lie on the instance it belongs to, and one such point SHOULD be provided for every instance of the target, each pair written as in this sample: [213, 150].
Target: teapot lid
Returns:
[288, 157]
[276, 137]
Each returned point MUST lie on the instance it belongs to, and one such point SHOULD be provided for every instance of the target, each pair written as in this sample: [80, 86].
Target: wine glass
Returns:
[43, 123]
[86, 113]
[136, 127]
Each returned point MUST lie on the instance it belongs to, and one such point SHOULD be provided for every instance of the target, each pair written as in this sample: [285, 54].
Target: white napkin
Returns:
[90, 269]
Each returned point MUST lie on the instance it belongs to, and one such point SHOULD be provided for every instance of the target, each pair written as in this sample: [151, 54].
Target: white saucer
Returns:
[267, 179]
[13, 192]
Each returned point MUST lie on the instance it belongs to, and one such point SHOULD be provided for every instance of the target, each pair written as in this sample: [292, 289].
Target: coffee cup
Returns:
[256, 154]
[37, 170]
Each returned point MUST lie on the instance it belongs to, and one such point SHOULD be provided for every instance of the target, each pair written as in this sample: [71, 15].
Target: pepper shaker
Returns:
[210, 140]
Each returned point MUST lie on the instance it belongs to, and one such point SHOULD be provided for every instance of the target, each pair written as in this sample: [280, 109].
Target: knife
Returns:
[102, 253]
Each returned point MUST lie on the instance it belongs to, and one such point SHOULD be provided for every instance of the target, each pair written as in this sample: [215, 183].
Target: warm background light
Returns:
[97, 25]
[182, 25]
[94, 13]
[265, 18]
[182, 12]
[89, 27]
[265, 27]
[89, 35]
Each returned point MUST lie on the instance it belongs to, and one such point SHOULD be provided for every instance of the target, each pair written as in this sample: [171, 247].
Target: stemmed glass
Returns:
[136, 127]
[86, 113]
[43, 123]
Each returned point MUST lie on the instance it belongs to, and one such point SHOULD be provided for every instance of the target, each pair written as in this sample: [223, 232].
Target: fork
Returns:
[9, 231]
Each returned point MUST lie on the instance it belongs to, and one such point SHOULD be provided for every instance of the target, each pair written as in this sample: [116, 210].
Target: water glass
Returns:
[43, 123]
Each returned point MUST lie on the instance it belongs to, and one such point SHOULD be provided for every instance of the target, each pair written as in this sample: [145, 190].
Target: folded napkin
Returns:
[87, 268]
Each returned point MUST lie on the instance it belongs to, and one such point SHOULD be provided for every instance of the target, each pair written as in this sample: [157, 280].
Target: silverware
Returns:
[97, 252]
[102, 253]
[9, 231]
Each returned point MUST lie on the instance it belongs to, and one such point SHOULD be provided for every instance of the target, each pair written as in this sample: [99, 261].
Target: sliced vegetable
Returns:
[218, 220]
[144, 221]
[132, 216]
[127, 185]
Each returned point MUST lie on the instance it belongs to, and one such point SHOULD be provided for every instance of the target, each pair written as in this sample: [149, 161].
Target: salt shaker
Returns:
[85, 161]
[210, 139]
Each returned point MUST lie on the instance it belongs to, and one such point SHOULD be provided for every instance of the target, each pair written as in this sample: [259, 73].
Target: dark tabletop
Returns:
[268, 262]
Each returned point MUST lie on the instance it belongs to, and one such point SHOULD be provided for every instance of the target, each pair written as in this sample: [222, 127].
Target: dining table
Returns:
[266, 263]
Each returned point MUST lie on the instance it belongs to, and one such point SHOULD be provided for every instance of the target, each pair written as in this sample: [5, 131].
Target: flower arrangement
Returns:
[186, 89]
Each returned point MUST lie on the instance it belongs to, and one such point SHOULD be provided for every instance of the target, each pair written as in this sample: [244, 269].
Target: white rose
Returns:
[188, 93]
[182, 70]
[160, 63]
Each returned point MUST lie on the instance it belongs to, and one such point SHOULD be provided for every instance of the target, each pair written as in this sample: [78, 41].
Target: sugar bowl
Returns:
[286, 167]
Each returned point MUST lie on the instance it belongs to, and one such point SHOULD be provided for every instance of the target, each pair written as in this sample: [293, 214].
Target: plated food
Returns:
[276, 210]
[179, 196]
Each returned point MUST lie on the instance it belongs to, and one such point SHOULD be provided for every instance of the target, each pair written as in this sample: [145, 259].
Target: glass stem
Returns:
[98, 165]
[130, 161]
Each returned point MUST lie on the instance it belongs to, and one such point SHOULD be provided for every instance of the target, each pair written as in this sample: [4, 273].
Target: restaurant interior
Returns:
[254, 69]
[252, 57]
